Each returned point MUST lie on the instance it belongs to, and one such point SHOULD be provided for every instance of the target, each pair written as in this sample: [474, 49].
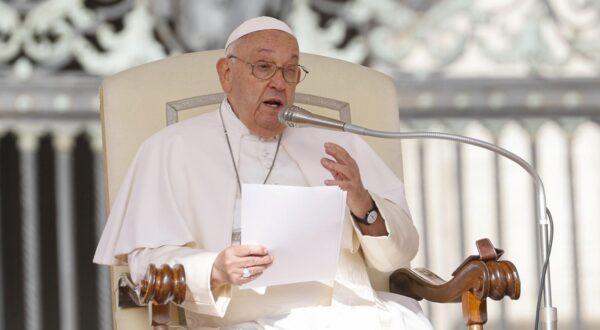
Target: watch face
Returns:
[371, 217]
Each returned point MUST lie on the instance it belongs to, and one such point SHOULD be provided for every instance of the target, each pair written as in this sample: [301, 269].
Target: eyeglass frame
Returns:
[277, 68]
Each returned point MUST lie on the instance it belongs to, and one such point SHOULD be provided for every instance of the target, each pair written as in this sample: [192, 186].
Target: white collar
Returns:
[234, 125]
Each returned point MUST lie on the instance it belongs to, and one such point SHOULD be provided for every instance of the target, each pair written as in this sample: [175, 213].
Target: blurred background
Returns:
[523, 74]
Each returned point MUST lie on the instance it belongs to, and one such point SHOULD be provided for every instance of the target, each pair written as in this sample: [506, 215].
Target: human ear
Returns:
[224, 72]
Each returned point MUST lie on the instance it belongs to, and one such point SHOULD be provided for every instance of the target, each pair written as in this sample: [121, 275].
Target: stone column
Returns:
[28, 143]
[63, 141]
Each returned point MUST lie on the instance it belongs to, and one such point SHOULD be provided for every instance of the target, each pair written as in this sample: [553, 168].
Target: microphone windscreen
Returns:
[287, 115]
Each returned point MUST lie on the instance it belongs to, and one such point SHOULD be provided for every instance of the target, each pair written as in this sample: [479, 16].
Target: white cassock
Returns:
[179, 203]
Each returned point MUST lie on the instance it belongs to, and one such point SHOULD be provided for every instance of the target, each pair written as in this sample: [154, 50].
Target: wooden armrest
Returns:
[160, 287]
[476, 279]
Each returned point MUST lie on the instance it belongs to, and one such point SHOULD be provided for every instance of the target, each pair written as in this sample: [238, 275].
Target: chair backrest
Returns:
[138, 102]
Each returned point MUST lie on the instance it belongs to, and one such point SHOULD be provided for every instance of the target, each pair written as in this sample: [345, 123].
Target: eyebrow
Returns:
[268, 50]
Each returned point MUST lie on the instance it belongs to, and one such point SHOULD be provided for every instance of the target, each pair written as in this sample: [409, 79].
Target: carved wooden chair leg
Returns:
[160, 287]
[474, 311]
[161, 316]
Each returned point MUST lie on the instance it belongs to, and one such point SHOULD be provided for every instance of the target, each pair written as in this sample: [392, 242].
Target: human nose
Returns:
[277, 81]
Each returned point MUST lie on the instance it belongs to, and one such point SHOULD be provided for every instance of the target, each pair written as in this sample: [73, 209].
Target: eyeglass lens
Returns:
[265, 70]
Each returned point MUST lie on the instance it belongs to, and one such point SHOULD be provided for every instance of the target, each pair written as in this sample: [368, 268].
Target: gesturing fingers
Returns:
[344, 169]
[337, 170]
[346, 175]
[339, 154]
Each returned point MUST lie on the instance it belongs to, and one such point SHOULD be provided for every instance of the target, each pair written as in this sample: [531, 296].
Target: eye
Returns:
[291, 70]
[264, 66]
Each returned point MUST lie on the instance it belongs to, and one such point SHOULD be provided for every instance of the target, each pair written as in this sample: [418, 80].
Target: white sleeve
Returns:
[198, 267]
[399, 247]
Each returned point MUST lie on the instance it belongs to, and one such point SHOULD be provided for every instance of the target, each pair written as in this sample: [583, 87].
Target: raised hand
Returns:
[346, 175]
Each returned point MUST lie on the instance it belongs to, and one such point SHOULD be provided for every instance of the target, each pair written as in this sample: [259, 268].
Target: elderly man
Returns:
[192, 216]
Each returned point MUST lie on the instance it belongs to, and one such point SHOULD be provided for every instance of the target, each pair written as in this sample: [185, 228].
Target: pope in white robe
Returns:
[180, 203]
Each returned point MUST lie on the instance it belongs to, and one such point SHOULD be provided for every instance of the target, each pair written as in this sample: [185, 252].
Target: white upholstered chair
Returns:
[139, 101]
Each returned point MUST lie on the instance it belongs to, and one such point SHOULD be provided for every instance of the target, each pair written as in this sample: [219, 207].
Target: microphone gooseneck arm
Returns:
[295, 116]
[539, 186]
[549, 313]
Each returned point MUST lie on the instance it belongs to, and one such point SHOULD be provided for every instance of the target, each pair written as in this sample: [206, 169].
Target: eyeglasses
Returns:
[292, 73]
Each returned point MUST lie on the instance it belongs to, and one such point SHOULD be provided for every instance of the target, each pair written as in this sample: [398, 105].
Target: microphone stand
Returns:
[549, 313]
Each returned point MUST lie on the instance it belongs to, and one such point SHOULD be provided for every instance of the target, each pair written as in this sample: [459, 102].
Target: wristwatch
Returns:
[370, 217]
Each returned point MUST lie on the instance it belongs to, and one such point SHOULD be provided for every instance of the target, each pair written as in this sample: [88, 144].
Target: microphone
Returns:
[294, 116]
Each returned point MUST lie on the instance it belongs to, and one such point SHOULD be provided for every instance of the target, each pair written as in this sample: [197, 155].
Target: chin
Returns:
[269, 120]
[275, 129]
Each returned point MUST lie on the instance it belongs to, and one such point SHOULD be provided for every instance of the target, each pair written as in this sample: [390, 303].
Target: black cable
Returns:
[544, 270]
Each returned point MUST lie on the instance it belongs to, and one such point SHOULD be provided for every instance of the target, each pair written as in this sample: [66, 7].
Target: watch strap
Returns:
[364, 220]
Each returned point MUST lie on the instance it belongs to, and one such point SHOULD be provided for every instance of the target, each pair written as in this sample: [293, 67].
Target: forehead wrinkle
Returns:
[270, 51]
[265, 50]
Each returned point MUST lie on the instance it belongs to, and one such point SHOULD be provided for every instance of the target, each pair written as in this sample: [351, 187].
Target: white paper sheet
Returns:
[300, 226]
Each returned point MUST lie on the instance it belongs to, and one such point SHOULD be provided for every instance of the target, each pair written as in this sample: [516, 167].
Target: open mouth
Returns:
[273, 103]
